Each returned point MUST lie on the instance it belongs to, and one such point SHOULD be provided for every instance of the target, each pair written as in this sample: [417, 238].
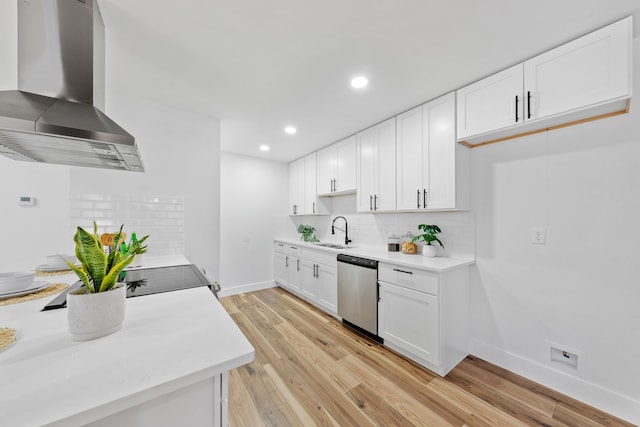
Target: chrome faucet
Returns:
[347, 240]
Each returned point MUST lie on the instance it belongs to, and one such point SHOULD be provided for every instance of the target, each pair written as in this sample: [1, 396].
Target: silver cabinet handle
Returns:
[295, 209]
[528, 104]
[418, 198]
[294, 248]
[517, 109]
[317, 271]
[298, 265]
[370, 202]
[375, 202]
[402, 271]
[424, 197]
[286, 261]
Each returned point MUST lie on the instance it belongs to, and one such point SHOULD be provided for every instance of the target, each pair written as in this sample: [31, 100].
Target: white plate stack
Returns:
[19, 283]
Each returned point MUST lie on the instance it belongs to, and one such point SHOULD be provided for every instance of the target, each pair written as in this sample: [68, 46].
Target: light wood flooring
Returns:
[310, 370]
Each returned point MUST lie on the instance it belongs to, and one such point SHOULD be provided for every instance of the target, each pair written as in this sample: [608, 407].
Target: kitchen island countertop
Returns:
[169, 341]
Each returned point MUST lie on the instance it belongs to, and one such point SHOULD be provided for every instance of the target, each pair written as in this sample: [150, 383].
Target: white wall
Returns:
[253, 194]
[29, 234]
[581, 289]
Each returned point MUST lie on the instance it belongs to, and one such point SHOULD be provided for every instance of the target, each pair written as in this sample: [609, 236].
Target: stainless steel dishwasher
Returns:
[358, 293]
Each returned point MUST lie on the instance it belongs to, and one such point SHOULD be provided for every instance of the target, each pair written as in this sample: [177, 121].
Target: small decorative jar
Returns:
[408, 247]
[393, 243]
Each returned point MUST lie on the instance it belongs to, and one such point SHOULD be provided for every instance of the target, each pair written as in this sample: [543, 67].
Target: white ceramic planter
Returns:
[429, 251]
[95, 315]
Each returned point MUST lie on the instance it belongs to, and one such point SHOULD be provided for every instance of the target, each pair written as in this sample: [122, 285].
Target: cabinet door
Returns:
[295, 274]
[310, 190]
[327, 163]
[367, 158]
[309, 280]
[410, 320]
[587, 71]
[439, 154]
[346, 165]
[327, 288]
[296, 187]
[281, 272]
[409, 160]
[385, 196]
[492, 103]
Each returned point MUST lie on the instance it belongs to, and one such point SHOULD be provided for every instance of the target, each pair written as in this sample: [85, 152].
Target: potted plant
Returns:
[428, 236]
[97, 308]
[308, 233]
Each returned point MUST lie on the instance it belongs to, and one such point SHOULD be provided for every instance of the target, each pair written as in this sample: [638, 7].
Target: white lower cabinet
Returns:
[312, 275]
[423, 315]
[320, 286]
[288, 267]
[327, 298]
[410, 320]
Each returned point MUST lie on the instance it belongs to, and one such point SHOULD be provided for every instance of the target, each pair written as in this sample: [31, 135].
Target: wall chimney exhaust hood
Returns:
[55, 115]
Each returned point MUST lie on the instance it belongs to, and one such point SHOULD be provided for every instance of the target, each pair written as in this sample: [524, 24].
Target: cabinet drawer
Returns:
[412, 278]
[320, 257]
[287, 248]
[292, 250]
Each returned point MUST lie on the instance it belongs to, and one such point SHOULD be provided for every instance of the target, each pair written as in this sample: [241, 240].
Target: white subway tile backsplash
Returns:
[162, 218]
[458, 228]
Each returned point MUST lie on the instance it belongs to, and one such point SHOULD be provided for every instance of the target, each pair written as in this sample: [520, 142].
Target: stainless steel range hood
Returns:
[55, 116]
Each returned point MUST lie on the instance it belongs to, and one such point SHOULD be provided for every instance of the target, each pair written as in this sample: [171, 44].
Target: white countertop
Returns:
[437, 264]
[169, 341]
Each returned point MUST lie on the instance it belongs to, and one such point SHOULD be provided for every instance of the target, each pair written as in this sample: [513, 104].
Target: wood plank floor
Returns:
[310, 370]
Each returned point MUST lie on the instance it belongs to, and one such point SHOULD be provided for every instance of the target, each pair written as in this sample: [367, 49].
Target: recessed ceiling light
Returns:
[290, 130]
[359, 82]
[264, 147]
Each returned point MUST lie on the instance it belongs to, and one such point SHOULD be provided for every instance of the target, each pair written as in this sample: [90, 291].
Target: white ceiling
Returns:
[261, 65]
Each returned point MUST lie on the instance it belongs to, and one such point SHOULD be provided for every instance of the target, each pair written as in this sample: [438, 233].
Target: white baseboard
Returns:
[592, 394]
[250, 287]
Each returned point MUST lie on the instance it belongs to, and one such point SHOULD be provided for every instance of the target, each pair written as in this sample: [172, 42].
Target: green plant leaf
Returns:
[91, 255]
[112, 253]
[82, 275]
[121, 262]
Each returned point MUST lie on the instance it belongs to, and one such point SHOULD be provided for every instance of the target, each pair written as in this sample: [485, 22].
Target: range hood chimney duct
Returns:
[55, 115]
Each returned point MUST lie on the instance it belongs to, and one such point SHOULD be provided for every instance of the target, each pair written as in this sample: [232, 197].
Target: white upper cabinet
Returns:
[491, 103]
[303, 194]
[585, 79]
[595, 68]
[296, 187]
[432, 170]
[337, 168]
[376, 179]
[409, 158]
[313, 205]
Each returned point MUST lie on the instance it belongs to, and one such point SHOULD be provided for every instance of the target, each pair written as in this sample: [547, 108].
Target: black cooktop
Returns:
[146, 281]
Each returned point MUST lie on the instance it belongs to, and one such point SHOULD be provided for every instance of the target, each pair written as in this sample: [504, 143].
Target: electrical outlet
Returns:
[539, 236]
[566, 359]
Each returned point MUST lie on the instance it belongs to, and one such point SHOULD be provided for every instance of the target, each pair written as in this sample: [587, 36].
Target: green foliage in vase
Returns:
[308, 233]
[98, 271]
[429, 234]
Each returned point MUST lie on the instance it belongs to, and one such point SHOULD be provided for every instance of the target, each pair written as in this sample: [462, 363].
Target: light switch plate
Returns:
[27, 201]
[539, 236]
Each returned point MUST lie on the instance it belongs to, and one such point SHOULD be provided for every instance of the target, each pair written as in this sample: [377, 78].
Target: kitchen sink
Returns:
[332, 246]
